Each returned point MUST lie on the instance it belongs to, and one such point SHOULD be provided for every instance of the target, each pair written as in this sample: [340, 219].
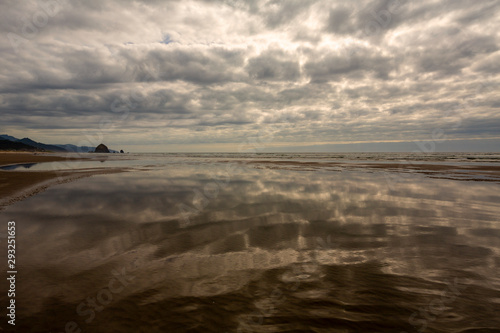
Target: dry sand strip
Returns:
[18, 185]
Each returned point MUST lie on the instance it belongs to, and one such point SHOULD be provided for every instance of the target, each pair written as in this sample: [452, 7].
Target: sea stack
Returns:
[101, 149]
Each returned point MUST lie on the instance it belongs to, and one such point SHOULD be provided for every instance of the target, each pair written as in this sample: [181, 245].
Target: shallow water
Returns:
[224, 247]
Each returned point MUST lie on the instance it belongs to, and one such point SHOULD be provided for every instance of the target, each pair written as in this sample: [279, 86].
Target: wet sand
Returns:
[273, 250]
[18, 185]
[15, 158]
[442, 170]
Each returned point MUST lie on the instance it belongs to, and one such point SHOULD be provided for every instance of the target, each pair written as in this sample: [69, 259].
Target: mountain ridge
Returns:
[17, 146]
[66, 148]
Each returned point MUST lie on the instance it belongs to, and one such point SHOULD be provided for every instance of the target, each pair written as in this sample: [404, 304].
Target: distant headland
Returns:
[10, 143]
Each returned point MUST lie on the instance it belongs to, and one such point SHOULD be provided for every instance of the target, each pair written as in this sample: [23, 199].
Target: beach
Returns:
[247, 243]
[17, 185]
[253, 166]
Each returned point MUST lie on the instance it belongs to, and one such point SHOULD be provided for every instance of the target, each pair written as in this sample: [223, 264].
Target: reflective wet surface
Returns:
[222, 247]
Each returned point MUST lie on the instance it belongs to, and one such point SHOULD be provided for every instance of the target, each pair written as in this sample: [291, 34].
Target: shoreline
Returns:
[19, 185]
[436, 169]
[9, 158]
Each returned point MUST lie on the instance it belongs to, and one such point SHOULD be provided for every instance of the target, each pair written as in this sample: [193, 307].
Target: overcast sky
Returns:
[213, 75]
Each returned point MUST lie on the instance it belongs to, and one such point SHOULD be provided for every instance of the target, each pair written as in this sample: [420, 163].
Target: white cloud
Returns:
[312, 71]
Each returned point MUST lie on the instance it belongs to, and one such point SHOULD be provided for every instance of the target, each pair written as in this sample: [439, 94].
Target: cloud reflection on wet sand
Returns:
[273, 251]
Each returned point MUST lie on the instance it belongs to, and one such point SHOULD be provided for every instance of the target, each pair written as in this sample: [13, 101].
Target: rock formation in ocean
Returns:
[101, 149]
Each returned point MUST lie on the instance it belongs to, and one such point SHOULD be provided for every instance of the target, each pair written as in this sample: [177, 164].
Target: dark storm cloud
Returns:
[455, 51]
[221, 71]
[373, 19]
[352, 63]
[196, 66]
[273, 65]
[84, 69]
[339, 21]
[279, 12]
[490, 64]
[365, 18]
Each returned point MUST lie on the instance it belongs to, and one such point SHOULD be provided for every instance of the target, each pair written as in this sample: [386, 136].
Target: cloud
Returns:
[353, 63]
[206, 71]
[489, 64]
[280, 12]
[273, 65]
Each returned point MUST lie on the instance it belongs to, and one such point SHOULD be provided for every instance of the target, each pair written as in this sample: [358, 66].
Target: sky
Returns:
[255, 75]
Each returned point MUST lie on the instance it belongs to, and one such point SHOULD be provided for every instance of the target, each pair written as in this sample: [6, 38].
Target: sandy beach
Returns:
[18, 185]
[7, 158]
[250, 166]
[303, 244]
[444, 170]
